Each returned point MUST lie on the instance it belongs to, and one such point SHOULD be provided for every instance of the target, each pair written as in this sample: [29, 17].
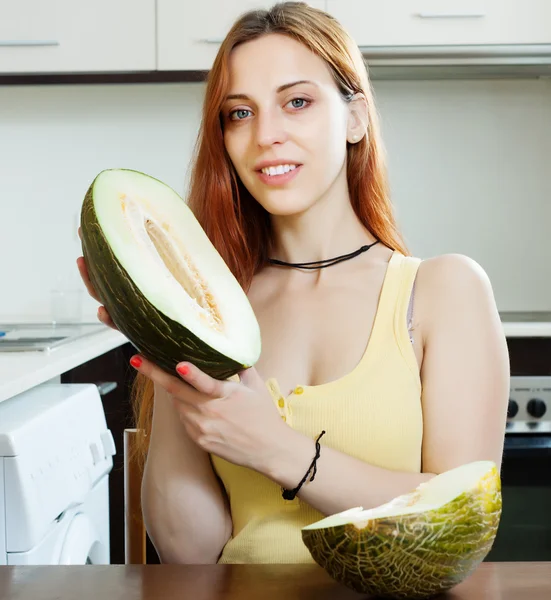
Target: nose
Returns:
[270, 128]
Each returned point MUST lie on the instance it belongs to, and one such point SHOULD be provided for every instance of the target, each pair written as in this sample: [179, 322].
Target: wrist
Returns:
[291, 457]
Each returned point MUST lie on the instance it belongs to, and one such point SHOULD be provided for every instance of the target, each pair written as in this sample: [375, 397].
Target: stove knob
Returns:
[512, 409]
[536, 408]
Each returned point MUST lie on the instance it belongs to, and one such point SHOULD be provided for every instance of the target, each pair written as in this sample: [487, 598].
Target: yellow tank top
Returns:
[373, 413]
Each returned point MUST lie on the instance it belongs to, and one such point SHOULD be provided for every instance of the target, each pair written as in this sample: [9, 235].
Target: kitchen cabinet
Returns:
[444, 22]
[61, 36]
[189, 33]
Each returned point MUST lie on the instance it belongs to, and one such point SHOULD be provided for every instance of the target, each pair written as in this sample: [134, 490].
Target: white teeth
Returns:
[279, 170]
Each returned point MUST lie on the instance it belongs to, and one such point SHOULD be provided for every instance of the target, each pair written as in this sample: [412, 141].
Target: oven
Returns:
[524, 532]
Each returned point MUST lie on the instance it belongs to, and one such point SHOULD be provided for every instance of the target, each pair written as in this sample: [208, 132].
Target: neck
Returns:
[326, 230]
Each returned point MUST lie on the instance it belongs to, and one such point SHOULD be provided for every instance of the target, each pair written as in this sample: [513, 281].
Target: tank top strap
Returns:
[395, 310]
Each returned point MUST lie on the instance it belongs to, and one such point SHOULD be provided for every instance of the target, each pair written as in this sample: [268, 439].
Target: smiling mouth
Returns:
[278, 175]
[279, 169]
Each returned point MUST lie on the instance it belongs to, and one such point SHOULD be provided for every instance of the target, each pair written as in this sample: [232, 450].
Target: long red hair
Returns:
[236, 224]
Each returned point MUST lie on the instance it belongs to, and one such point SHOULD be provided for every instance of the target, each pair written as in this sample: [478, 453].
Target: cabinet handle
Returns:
[104, 387]
[211, 40]
[440, 15]
[6, 43]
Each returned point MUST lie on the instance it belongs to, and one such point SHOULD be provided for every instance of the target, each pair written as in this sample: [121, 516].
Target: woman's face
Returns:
[285, 124]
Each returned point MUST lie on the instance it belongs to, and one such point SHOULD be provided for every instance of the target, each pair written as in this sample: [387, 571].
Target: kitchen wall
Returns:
[469, 165]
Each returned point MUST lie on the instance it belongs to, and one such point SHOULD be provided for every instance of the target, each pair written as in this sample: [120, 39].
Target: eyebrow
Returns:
[280, 89]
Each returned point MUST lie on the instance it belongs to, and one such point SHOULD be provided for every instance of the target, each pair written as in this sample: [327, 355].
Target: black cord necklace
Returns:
[321, 264]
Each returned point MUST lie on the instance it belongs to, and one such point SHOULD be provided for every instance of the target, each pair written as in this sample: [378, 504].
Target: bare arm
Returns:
[465, 376]
[185, 510]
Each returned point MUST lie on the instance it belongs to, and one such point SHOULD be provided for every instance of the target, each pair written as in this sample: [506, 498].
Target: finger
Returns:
[171, 383]
[103, 315]
[105, 318]
[201, 381]
[86, 279]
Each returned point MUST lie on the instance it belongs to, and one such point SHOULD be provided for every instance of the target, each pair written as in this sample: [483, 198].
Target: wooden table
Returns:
[491, 581]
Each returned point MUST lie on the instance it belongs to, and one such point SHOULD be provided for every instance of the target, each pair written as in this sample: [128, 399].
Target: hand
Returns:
[103, 315]
[237, 421]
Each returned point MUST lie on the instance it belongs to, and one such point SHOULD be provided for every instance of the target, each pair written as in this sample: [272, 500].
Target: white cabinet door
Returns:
[56, 36]
[190, 31]
[444, 22]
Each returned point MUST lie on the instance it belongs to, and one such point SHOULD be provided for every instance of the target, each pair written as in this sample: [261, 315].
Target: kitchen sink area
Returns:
[43, 337]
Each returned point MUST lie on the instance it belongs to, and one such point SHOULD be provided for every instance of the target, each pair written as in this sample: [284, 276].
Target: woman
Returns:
[289, 167]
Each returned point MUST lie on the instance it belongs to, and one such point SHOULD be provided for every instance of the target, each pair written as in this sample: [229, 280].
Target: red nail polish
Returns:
[136, 361]
[183, 370]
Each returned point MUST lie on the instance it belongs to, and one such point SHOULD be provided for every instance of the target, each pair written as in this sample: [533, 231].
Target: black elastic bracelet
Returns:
[290, 494]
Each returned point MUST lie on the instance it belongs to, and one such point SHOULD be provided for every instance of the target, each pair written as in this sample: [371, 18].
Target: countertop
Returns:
[518, 329]
[491, 581]
[526, 323]
[20, 371]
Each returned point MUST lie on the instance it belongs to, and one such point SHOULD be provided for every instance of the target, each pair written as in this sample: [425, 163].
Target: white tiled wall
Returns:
[469, 163]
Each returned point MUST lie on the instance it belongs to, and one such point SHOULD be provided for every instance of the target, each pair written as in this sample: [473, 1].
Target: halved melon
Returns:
[162, 281]
[419, 544]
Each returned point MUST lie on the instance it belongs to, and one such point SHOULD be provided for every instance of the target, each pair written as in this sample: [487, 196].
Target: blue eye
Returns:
[241, 113]
[302, 100]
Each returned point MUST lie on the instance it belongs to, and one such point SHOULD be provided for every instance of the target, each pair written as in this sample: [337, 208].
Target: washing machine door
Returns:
[81, 545]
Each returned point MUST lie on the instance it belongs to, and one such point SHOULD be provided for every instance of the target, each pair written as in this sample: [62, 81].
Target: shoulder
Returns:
[453, 272]
[453, 288]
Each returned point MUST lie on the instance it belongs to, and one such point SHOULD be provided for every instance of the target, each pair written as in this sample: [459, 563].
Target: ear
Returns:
[358, 118]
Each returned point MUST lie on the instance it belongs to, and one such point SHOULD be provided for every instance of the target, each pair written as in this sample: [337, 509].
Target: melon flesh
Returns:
[417, 545]
[161, 279]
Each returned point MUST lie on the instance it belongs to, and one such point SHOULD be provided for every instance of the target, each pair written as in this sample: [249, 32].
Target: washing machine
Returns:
[56, 454]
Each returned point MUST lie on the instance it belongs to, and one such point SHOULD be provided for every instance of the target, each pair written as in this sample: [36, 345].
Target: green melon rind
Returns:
[156, 336]
[376, 561]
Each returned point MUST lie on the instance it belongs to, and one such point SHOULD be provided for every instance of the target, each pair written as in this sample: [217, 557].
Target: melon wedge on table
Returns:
[164, 284]
[419, 544]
